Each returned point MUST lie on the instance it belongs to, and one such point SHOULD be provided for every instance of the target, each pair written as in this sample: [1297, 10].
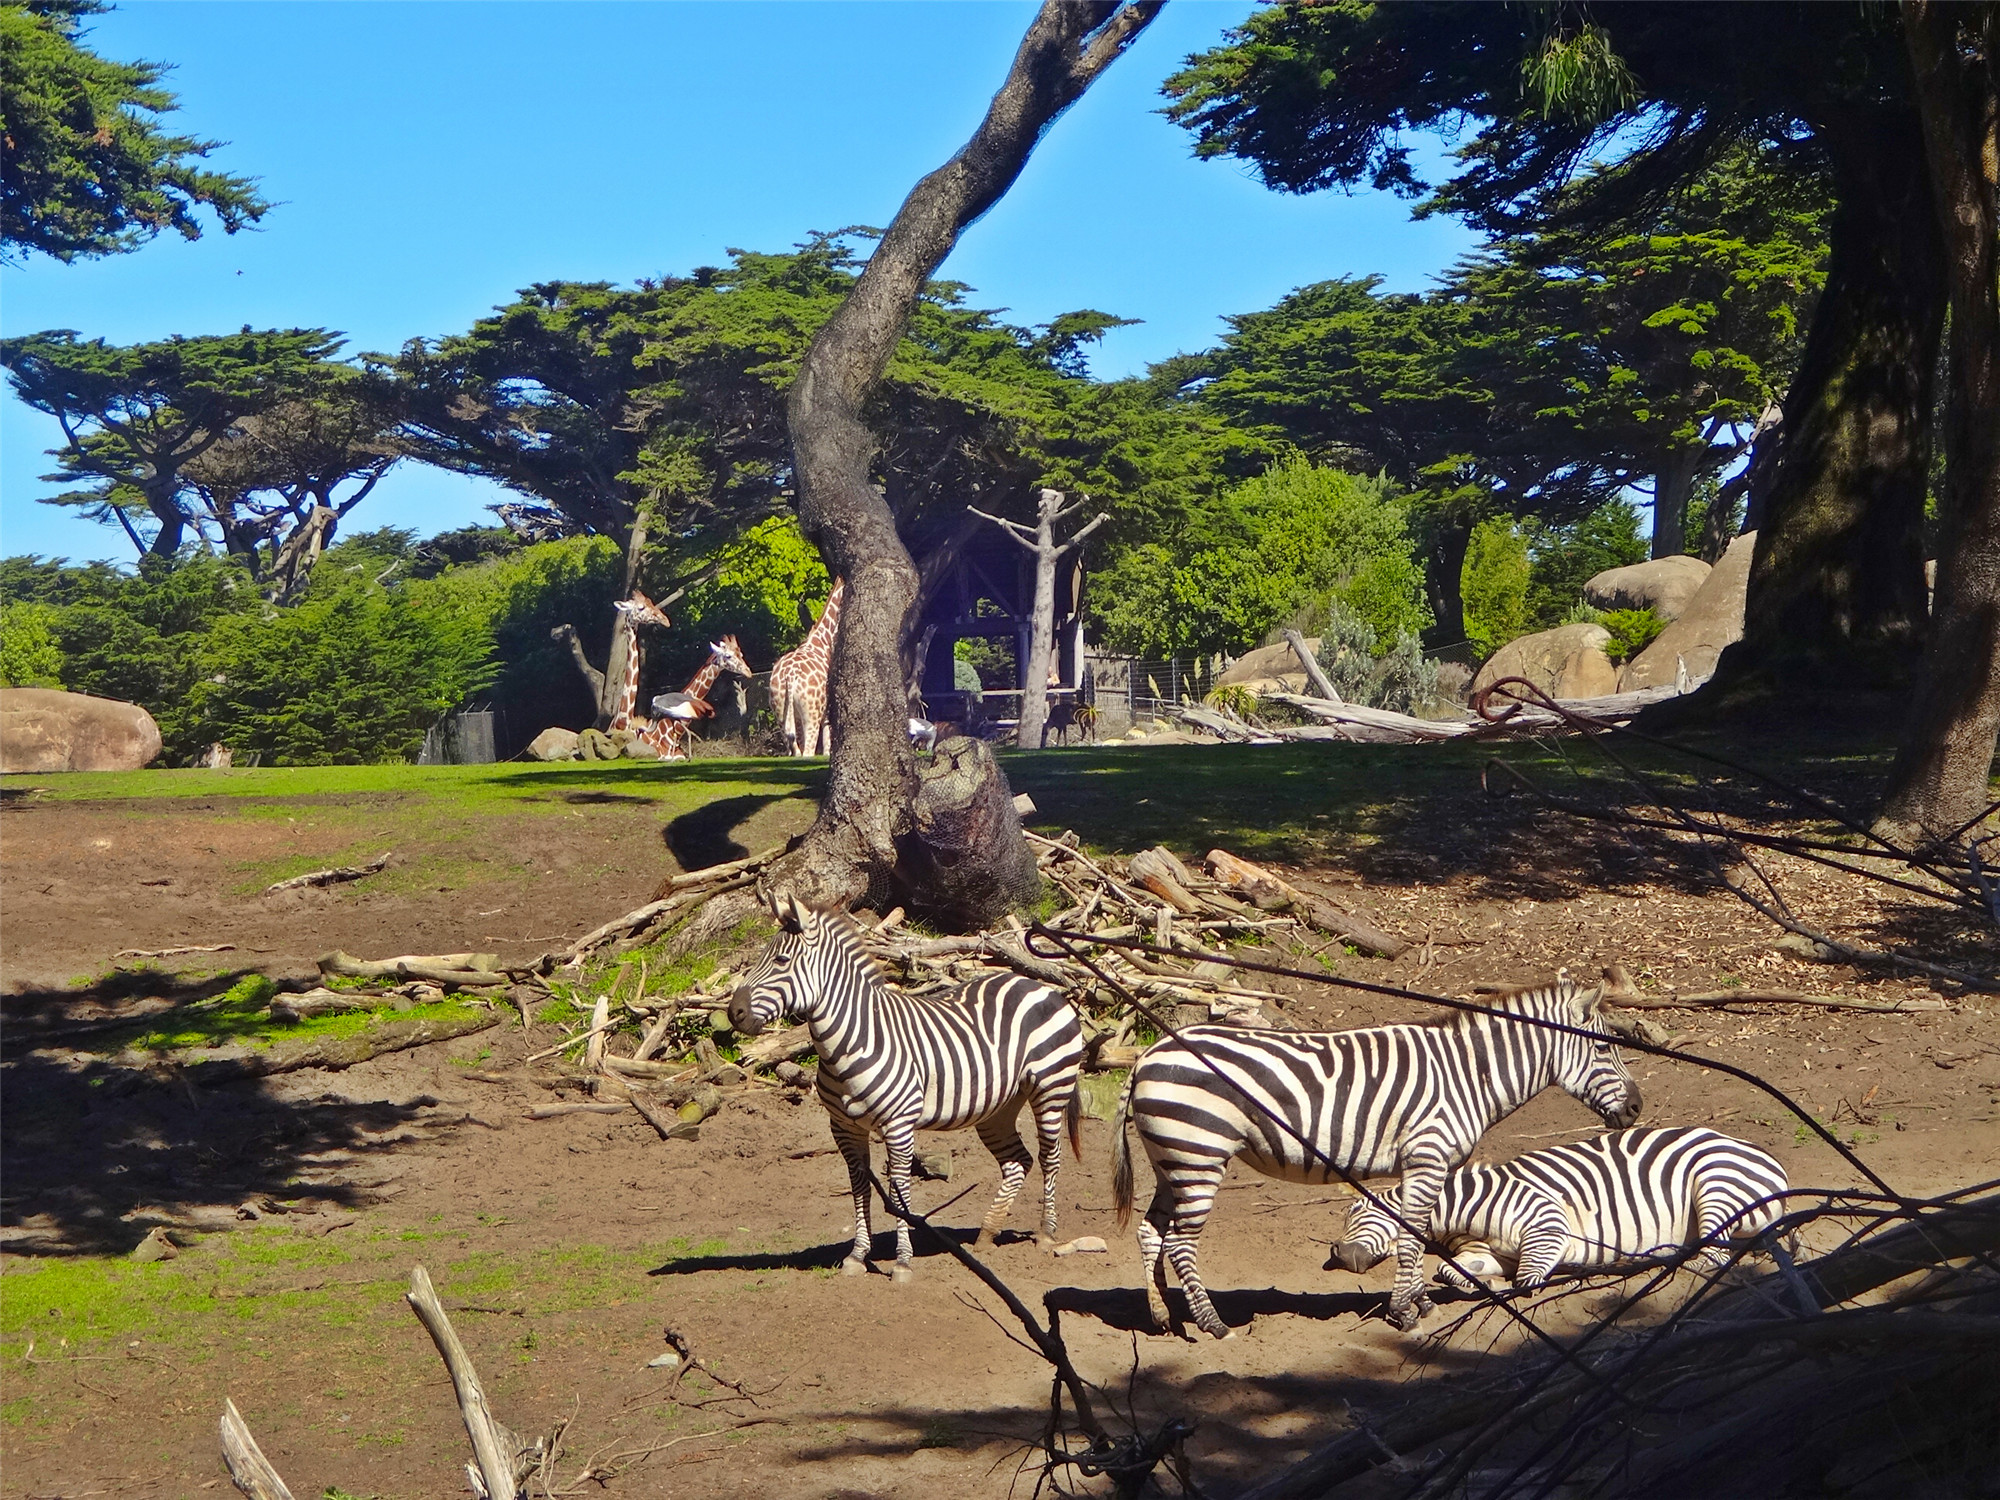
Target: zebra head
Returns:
[1369, 1236]
[1589, 1068]
[805, 960]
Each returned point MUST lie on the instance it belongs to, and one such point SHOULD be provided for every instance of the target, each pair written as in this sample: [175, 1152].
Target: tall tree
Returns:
[1322, 95]
[87, 169]
[870, 799]
[135, 416]
[1941, 781]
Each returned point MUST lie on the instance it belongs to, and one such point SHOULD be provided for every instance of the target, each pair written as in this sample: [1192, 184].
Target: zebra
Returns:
[1632, 1195]
[894, 1063]
[1412, 1099]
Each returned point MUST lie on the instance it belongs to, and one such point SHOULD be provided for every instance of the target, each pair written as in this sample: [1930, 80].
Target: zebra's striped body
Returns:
[1409, 1099]
[1631, 1195]
[893, 1064]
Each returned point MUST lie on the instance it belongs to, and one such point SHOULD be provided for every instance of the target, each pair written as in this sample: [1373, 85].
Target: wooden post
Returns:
[1047, 553]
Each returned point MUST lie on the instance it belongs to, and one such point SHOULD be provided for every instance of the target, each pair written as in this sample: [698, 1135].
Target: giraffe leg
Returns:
[999, 1136]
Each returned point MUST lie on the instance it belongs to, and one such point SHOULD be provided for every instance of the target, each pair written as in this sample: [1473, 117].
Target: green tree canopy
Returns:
[87, 170]
[136, 416]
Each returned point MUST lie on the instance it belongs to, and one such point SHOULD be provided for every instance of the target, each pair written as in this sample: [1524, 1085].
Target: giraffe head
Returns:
[726, 654]
[643, 611]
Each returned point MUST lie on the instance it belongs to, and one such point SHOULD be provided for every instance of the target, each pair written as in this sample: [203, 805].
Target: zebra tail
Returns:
[1121, 1153]
[1074, 1113]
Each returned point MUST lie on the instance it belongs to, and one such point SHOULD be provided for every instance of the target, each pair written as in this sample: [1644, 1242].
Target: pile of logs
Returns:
[1352, 721]
[675, 1074]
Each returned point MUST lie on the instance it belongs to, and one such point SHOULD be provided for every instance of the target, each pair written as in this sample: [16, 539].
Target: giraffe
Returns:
[799, 681]
[669, 732]
[640, 611]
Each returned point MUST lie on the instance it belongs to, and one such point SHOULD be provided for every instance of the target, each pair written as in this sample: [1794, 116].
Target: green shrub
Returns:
[1632, 631]
[29, 655]
[1346, 651]
[1494, 585]
[1235, 697]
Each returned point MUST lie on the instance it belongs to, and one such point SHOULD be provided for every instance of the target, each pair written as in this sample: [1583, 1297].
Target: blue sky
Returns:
[427, 159]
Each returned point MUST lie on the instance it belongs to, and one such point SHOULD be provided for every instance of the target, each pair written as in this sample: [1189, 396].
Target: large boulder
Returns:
[555, 743]
[1665, 586]
[1266, 663]
[42, 730]
[1567, 662]
[1712, 620]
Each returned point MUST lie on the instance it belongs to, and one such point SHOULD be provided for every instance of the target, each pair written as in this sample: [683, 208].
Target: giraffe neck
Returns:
[628, 692]
[702, 681]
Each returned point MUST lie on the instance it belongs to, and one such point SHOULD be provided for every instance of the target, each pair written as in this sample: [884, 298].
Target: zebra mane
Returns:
[854, 937]
[1522, 999]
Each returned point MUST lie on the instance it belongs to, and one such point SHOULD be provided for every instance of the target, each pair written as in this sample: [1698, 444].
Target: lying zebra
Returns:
[894, 1064]
[1410, 1099]
[1629, 1196]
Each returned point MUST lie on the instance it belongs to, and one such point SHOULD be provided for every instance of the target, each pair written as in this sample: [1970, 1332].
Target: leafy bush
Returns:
[29, 655]
[1234, 697]
[1405, 680]
[1347, 651]
[1562, 559]
[1632, 631]
[1495, 585]
[1299, 536]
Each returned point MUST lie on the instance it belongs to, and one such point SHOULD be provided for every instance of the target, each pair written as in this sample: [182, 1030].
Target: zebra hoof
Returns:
[900, 1275]
[1405, 1319]
[854, 1266]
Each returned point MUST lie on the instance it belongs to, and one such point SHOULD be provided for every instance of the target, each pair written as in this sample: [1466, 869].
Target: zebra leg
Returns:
[1000, 1137]
[1152, 1263]
[853, 1144]
[902, 1144]
[1194, 1195]
[1422, 1182]
[1052, 1114]
[1541, 1253]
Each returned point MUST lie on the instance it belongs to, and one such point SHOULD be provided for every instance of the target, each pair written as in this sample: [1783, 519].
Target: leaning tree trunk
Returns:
[1042, 545]
[1836, 589]
[1673, 484]
[623, 636]
[870, 795]
[1447, 538]
[1941, 780]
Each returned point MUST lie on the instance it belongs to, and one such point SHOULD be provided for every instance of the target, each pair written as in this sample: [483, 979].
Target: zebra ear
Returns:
[1592, 1002]
[786, 908]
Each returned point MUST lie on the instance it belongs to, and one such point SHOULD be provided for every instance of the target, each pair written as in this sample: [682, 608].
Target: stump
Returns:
[966, 863]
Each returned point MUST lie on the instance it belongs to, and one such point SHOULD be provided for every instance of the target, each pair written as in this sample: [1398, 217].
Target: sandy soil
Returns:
[571, 1245]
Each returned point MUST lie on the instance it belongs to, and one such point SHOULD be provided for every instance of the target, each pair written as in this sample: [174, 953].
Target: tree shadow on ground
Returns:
[707, 836]
[100, 1143]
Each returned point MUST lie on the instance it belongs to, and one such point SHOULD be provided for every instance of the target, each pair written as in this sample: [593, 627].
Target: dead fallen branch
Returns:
[174, 952]
[1261, 886]
[502, 1460]
[334, 875]
[248, 1468]
[452, 970]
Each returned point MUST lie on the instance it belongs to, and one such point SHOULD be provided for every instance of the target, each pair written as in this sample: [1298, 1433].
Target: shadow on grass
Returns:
[707, 836]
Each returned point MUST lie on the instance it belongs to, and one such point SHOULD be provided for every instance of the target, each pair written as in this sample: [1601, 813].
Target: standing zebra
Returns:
[1413, 1099]
[1631, 1195]
[894, 1064]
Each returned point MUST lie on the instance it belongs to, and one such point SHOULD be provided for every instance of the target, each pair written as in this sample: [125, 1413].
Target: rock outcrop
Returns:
[1269, 669]
[1665, 585]
[43, 729]
[1712, 620]
[555, 743]
[1567, 662]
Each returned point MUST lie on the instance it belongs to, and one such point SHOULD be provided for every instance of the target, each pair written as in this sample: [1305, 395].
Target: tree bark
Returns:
[1047, 553]
[1836, 590]
[1941, 778]
[871, 790]
[1448, 539]
[623, 636]
[1673, 483]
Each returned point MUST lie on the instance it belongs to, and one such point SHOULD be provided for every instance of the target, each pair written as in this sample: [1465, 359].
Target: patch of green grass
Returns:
[1100, 1092]
[239, 1015]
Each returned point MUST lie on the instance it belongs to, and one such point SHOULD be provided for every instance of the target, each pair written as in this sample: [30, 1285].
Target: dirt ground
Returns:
[569, 1246]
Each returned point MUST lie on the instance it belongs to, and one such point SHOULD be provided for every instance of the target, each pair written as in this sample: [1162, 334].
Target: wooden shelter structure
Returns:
[988, 594]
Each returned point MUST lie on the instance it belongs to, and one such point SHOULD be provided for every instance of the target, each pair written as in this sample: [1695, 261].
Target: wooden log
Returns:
[1311, 663]
[632, 1067]
[593, 1049]
[454, 970]
[712, 873]
[335, 1053]
[670, 1128]
[334, 875]
[249, 1470]
[1163, 875]
[557, 1111]
[319, 1001]
[775, 1046]
[502, 1460]
[1320, 913]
